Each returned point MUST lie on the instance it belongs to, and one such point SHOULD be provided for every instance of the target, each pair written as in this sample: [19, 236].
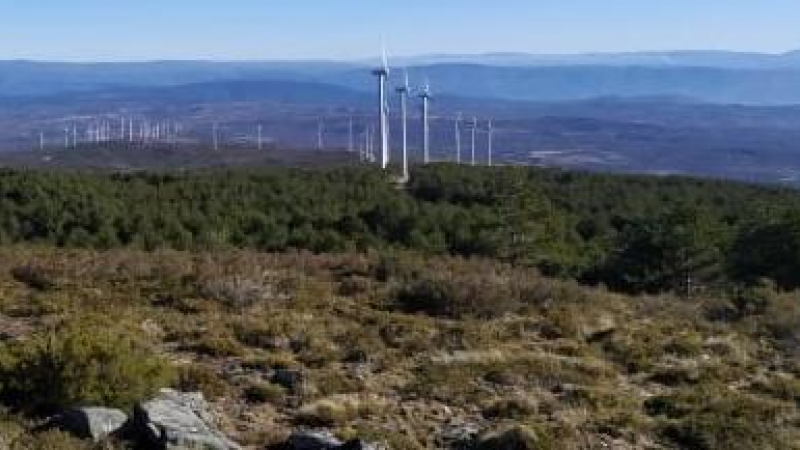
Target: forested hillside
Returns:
[636, 234]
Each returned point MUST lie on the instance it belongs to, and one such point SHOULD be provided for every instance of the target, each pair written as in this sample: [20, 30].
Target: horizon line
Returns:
[377, 57]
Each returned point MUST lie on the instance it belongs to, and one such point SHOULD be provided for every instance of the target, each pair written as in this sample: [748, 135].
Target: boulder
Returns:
[178, 421]
[324, 440]
[91, 423]
[289, 379]
[517, 438]
[312, 440]
[358, 444]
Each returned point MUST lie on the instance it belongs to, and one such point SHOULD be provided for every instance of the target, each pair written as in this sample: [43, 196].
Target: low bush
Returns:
[200, 378]
[264, 393]
[85, 362]
[35, 277]
[712, 417]
[453, 296]
[516, 438]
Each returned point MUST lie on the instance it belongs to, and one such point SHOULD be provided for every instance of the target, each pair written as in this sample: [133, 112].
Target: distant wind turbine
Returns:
[216, 136]
[404, 91]
[382, 73]
[474, 136]
[425, 96]
[490, 137]
[459, 119]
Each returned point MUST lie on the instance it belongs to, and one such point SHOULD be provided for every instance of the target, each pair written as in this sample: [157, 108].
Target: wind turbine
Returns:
[320, 134]
[216, 136]
[404, 91]
[425, 96]
[490, 137]
[383, 126]
[260, 140]
[474, 136]
[350, 143]
[459, 119]
[41, 141]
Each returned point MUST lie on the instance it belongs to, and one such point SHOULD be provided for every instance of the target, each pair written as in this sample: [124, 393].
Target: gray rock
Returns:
[91, 423]
[324, 440]
[178, 421]
[289, 379]
[312, 440]
[358, 444]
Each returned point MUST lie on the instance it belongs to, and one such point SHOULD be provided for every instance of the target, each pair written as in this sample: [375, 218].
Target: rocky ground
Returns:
[403, 352]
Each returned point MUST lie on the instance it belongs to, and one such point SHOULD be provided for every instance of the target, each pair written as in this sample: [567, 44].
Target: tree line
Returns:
[632, 233]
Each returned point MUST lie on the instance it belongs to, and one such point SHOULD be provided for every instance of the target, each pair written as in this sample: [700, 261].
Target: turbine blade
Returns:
[384, 58]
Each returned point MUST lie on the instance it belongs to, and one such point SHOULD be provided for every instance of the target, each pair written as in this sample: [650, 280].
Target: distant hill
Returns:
[722, 77]
[559, 83]
[681, 58]
[25, 78]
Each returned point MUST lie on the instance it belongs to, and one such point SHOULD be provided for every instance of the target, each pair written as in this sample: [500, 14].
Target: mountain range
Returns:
[708, 76]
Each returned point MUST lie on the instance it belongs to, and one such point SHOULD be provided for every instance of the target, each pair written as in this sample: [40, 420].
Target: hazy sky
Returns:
[344, 29]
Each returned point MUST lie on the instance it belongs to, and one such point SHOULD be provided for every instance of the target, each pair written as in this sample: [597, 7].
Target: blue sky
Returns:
[344, 29]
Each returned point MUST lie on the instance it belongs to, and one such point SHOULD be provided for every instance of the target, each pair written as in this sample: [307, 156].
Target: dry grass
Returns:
[405, 349]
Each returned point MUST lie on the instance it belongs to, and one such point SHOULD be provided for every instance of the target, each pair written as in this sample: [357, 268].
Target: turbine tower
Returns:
[260, 136]
[474, 136]
[320, 134]
[350, 143]
[404, 91]
[216, 136]
[459, 119]
[425, 96]
[490, 137]
[382, 73]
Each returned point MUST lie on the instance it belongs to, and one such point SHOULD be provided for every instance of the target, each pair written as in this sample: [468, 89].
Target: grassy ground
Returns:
[413, 351]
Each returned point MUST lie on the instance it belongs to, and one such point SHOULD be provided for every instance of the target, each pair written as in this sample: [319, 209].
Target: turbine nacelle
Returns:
[405, 88]
[425, 94]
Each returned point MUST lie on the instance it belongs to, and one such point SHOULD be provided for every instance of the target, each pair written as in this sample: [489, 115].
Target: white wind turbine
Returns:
[459, 119]
[382, 73]
[490, 137]
[425, 96]
[474, 137]
[403, 91]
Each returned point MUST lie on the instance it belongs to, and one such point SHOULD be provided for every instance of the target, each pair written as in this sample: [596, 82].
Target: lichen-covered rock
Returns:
[324, 440]
[517, 438]
[91, 423]
[312, 440]
[178, 421]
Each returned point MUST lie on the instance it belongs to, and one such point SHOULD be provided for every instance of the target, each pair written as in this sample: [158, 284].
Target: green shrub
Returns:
[86, 362]
[516, 438]
[264, 393]
[196, 377]
[714, 417]
[51, 440]
[35, 277]
[217, 346]
[454, 296]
